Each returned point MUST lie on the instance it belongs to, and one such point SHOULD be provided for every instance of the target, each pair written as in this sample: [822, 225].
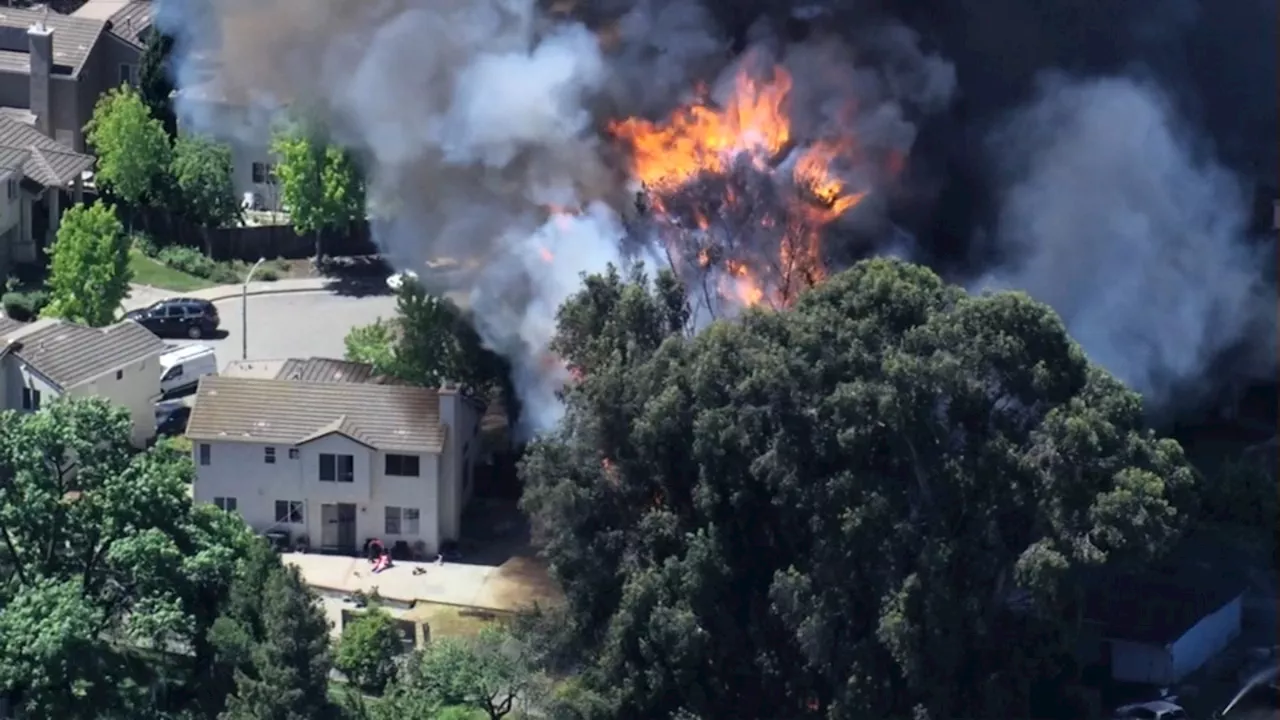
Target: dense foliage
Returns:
[89, 273]
[320, 184]
[877, 503]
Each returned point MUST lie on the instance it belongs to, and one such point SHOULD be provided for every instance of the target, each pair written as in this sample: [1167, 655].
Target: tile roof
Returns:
[73, 40]
[8, 325]
[287, 412]
[13, 158]
[131, 22]
[71, 354]
[50, 163]
[319, 369]
[22, 115]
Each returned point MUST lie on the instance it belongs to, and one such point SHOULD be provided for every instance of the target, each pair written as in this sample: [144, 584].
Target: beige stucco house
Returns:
[50, 358]
[335, 460]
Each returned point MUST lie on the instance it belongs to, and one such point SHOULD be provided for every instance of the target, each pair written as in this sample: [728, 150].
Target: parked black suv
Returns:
[178, 317]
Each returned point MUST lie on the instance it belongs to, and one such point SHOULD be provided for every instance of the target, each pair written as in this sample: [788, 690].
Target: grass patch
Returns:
[147, 271]
[452, 621]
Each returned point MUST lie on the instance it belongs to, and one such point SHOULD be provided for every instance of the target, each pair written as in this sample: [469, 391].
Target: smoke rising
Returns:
[473, 117]
[1112, 217]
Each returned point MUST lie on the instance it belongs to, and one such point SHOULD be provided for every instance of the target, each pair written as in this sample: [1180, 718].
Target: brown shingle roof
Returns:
[319, 369]
[70, 354]
[73, 40]
[50, 163]
[287, 412]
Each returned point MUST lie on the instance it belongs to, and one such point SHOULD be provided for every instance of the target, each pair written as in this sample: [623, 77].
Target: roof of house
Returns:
[1159, 606]
[290, 412]
[49, 162]
[131, 22]
[8, 325]
[73, 40]
[319, 369]
[69, 354]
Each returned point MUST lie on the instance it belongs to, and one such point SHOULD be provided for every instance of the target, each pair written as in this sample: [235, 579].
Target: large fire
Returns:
[739, 203]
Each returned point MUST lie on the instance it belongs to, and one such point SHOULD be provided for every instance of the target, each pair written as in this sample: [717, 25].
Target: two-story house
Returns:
[51, 358]
[338, 463]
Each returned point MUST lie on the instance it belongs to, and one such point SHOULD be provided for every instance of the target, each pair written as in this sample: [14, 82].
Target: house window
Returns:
[337, 468]
[30, 399]
[126, 74]
[293, 453]
[119, 374]
[269, 455]
[402, 465]
[289, 511]
[225, 504]
[264, 173]
[402, 521]
[206, 454]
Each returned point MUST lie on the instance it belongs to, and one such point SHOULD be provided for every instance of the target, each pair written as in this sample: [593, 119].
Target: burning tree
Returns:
[738, 203]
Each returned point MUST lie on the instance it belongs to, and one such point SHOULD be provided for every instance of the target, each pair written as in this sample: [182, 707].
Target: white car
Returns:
[395, 282]
[1154, 710]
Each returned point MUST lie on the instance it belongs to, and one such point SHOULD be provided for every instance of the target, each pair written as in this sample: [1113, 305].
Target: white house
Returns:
[47, 359]
[337, 462]
[246, 128]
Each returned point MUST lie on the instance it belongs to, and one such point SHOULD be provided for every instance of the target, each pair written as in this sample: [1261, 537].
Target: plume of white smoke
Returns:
[1135, 236]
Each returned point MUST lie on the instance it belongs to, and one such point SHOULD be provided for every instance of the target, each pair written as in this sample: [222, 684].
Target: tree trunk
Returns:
[319, 246]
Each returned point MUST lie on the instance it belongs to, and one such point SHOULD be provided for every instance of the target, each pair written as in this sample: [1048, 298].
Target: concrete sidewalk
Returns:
[141, 296]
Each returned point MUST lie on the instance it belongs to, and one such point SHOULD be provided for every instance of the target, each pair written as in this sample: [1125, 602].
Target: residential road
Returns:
[286, 318]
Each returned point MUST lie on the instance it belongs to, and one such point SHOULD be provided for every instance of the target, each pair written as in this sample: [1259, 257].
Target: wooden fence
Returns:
[280, 241]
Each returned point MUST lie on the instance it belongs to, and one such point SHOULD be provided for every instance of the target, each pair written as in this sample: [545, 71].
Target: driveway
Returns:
[292, 325]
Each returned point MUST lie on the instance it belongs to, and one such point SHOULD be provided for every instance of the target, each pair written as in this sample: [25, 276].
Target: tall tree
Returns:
[880, 502]
[134, 153]
[202, 175]
[89, 274]
[155, 82]
[101, 553]
[320, 184]
[286, 675]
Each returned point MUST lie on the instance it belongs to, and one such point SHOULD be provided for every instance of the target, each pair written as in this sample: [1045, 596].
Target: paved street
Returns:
[293, 325]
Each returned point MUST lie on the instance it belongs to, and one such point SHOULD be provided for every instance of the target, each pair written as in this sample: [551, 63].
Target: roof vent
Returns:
[261, 424]
[222, 433]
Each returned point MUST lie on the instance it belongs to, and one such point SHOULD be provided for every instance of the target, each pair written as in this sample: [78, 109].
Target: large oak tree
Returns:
[881, 501]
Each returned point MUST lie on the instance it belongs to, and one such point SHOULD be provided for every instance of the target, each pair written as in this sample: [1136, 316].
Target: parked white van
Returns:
[183, 367]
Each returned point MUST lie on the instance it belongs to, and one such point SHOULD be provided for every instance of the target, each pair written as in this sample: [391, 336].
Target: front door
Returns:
[328, 527]
[347, 527]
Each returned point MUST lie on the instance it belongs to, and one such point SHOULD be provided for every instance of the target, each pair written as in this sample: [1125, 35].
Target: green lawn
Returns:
[149, 272]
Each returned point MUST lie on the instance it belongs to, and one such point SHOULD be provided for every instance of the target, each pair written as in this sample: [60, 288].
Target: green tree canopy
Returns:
[89, 274]
[133, 150]
[320, 184]
[432, 341]
[155, 86]
[102, 556]
[367, 652]
[202, 173]
[882, 501]
[494, 673]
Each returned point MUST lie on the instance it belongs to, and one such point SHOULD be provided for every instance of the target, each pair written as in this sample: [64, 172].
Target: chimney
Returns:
[40, 40]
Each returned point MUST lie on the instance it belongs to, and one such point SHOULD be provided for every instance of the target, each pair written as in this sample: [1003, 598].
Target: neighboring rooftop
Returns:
[130, 19]
[48, 161]
[70, 355]
[285, 412]
[73, 39]
[260, 369]
[319, 370]
[1162, 604]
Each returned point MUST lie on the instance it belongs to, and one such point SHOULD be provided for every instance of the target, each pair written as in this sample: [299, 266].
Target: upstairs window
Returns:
[337, 468]
[402, 465]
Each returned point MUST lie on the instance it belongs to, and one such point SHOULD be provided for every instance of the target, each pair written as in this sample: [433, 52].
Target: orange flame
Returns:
[753, 124]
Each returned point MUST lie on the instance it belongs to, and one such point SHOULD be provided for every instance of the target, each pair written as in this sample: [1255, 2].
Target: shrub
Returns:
[188, 260]
[368, 649]
[267, 274]
[24, 305]
[144, 244]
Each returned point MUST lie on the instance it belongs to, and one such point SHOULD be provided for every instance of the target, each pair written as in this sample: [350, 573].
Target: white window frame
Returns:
[205, 451]
[269, 455]
[338, 475]
[225, 504]
[263, 173]
[295, 512]
[402, 521]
